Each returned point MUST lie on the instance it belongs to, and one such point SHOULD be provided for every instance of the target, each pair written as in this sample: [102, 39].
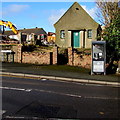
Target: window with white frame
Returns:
[89, 33]
[62, 34]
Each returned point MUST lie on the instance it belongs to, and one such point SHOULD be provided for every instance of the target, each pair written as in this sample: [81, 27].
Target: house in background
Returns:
[51, 37]
[76, 28]
[28, 36]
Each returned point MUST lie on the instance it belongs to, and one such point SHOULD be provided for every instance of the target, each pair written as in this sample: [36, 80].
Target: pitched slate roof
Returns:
[36, 31]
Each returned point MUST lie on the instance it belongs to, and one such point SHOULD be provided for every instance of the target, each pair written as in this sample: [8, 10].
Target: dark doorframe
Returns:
[51, 58]
[84, 38]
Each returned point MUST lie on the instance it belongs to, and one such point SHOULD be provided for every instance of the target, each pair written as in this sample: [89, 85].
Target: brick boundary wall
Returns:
[40, 57]
[55, 55]
[70, 56]
[82, 60]
[36, 57]
[18, 53]
[75, 59]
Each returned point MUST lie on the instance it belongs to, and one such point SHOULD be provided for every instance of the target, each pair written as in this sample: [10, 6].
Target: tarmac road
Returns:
[42, 98]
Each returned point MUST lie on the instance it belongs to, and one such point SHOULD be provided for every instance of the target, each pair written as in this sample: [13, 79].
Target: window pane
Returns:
[62, 34]
[89, 33]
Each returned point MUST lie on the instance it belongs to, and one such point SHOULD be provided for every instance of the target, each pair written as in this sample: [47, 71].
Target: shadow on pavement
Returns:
[36, 109]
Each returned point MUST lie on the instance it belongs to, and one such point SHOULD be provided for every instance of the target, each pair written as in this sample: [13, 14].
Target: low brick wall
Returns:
[18, 54]
[82, 60]
[13, 56]
[55, 54]
[75, 59]
[36, 57]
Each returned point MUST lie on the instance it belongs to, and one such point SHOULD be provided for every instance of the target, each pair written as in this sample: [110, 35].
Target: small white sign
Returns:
[98, 66]
[6, 51]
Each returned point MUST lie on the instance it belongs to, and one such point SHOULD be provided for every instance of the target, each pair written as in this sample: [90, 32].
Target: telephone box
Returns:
[98, 57]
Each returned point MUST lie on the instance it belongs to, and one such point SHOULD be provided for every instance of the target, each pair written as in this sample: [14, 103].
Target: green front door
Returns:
[76, 39]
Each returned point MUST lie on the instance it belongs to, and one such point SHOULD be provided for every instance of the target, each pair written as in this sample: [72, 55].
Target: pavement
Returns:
[115, 84]
[69, 76]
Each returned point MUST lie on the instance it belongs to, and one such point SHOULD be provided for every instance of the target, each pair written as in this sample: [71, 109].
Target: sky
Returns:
[39, 14]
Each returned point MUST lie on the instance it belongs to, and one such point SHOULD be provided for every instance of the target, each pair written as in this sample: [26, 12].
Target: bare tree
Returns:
[107, 10]
[109, 15]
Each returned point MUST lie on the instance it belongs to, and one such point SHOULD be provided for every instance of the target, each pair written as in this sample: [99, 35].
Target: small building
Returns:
[51, 37]
[29, 36]
[76, 28]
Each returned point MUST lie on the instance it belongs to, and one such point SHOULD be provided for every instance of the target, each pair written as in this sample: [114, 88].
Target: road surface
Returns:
[42, 98]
